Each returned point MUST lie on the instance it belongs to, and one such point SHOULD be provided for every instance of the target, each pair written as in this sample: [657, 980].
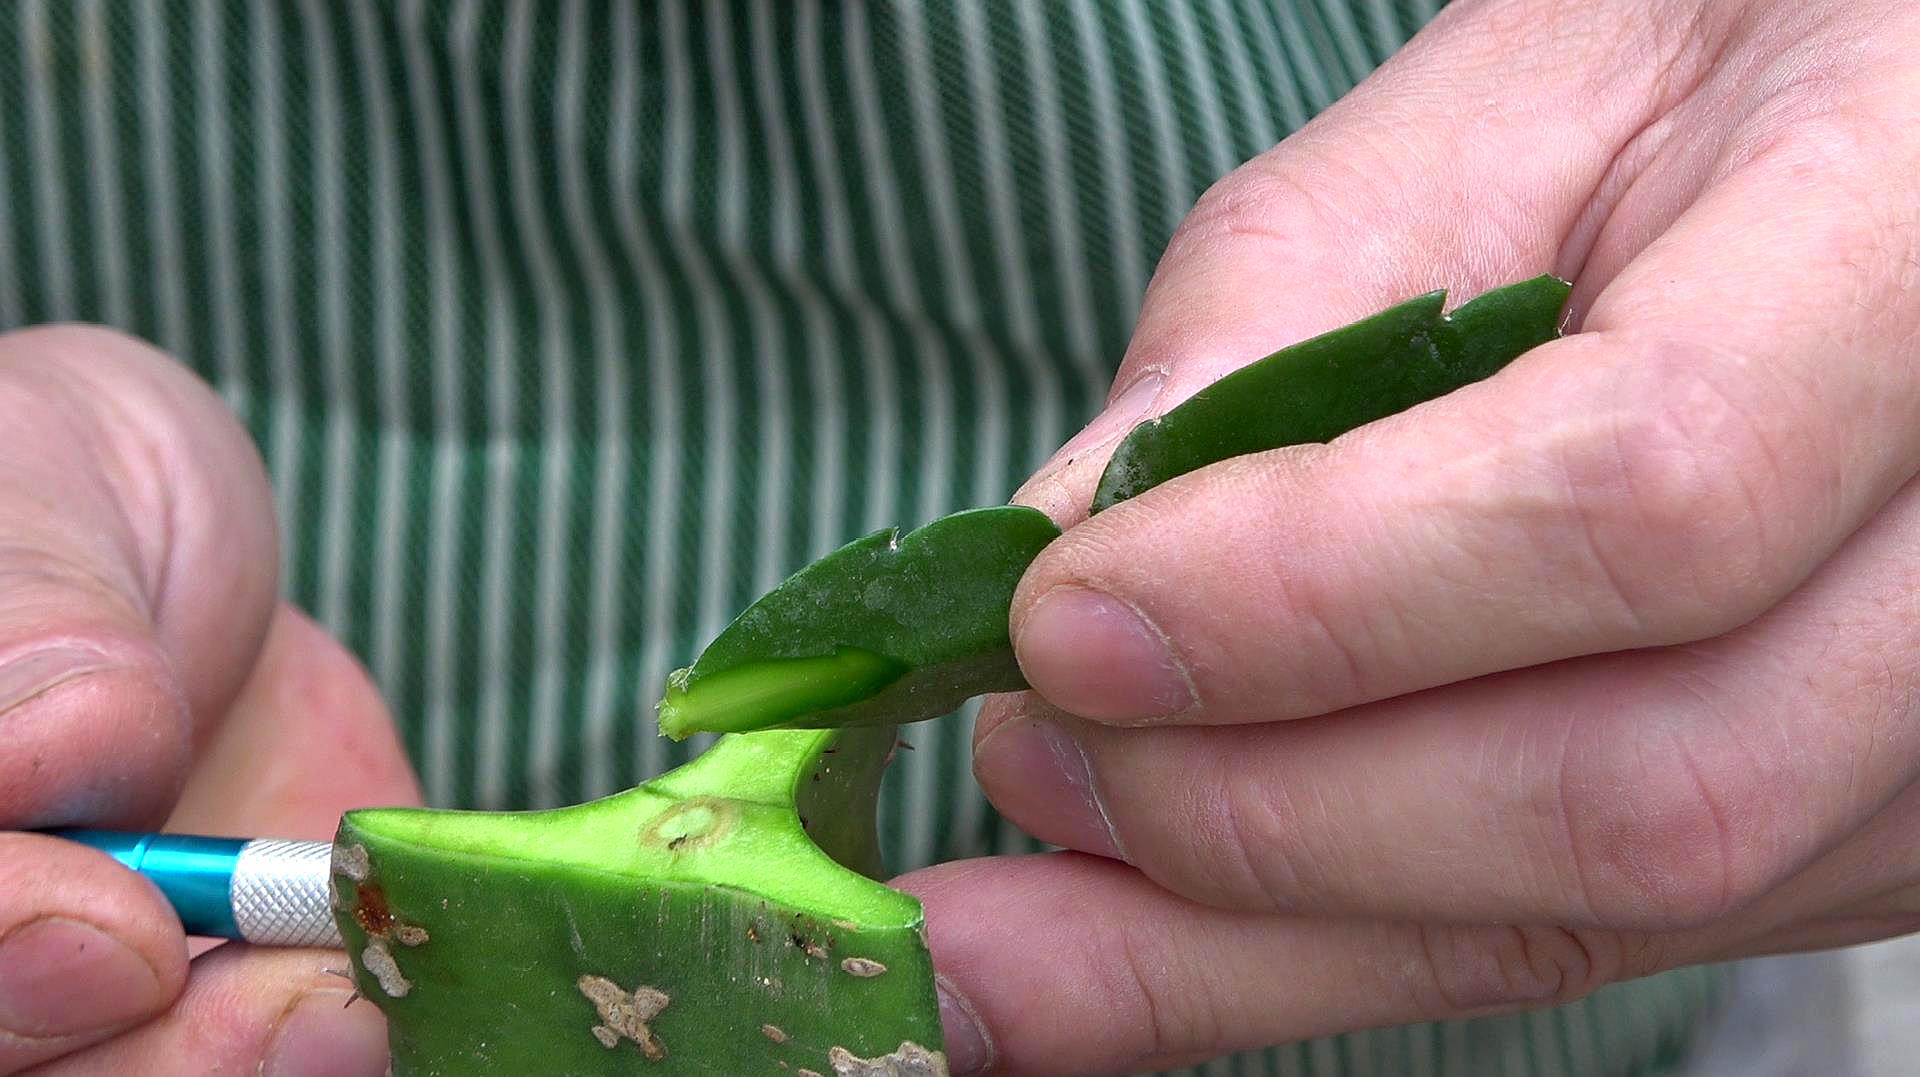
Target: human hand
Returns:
[1606, 665]
[149, 675]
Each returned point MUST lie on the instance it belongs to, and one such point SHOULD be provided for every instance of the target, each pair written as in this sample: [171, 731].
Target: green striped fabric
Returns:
[567, 328]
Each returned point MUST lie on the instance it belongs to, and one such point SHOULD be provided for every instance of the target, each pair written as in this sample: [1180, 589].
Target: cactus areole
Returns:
[727, 917]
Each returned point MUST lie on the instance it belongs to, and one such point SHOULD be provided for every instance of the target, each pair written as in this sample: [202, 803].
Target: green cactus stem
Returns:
[724, 918]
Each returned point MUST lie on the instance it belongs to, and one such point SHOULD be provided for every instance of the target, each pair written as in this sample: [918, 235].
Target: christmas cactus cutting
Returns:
[729, 917]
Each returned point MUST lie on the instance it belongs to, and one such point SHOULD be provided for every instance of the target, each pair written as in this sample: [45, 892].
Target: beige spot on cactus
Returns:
[862, 966]
[692, 824]
[909, 1060]
[409, 934]
[352, 861]
[624, 1014]
[773, 1033]
[806, 1073]
[379, 961]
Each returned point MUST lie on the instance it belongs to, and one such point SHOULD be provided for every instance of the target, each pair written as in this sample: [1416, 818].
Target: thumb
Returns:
[137, 550]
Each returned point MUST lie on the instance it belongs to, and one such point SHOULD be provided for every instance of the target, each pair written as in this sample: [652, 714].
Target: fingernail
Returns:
[967, 1049]
[1040, 765]
[325, 1036]
[1094, 656]
[33, 674]
[1118, 418]
[59, 977]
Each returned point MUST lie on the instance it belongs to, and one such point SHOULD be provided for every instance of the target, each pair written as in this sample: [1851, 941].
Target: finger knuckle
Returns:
[1251, 843]
[1171, 995]
[1334, 642]
[1257, 202]
[1672, 490]
[1661, 832]
[1471, 969]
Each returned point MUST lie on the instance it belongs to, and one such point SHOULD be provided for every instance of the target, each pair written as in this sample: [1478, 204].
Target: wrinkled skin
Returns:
[1619, 650]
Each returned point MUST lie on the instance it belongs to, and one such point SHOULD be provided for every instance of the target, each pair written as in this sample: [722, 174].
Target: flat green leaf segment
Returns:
[694, 925]
[891, 631]
[1321, 388]
[883, 630]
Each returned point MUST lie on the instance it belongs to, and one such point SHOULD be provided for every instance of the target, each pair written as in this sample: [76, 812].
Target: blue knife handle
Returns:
[258, 890]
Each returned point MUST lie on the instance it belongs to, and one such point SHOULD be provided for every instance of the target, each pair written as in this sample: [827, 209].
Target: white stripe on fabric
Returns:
[1166, 139]
[1205, 85]
[103, 168]
[393, 509]
[1123, 223]
[771, 428]
[1253, 104]
[1008, 244]
[716, 342]
[1279, 72]
[1063, 209]
[933, 461]
[827, 529]
[285, 404]
[339, 475]
[213, 136]
[49, 186]
[1346, 38]
[163, 201]
[1293, 34]
[551, 642]
[606, 615]
[961, 304]
[447, 491]
[883, 448]
[663, 383]
[1386, 28]
[502, 402]
[901, 280]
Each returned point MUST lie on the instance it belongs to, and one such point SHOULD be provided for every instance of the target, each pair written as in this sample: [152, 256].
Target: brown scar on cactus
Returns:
[774, 1033]
[625, 1014]
[862, 966]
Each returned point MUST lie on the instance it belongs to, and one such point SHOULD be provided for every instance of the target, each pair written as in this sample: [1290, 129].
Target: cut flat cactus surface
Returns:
[727, 917]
